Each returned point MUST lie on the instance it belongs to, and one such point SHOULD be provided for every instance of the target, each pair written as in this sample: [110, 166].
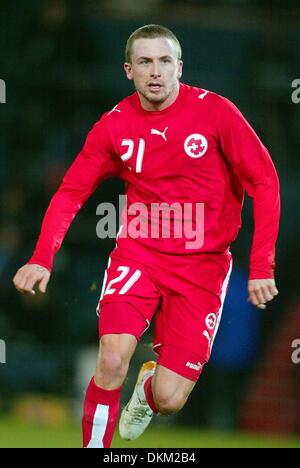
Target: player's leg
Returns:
[102, 400]
[161, 389]
[158, 390]
[169, 390]
[128, 302]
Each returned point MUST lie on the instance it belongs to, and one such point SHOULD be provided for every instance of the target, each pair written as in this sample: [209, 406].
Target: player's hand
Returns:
[261, 291]
[29, 276]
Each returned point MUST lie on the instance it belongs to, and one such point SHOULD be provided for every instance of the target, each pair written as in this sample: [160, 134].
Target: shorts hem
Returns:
[181, 373]
[156, 348]
[118, 332]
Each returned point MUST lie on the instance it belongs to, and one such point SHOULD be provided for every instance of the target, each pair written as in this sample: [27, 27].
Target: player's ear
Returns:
[128, 70]
[179, 70]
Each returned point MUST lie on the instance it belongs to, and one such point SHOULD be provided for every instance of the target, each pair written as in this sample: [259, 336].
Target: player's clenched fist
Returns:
[28, 276]
[261, 291]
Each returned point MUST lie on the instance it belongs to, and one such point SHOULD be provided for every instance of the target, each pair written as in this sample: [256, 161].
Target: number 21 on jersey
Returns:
[130, 149]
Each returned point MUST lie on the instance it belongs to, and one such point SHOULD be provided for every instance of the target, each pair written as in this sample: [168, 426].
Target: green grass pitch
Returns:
[14, 434]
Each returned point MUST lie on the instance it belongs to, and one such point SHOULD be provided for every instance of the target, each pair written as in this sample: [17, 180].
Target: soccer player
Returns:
[190, 153]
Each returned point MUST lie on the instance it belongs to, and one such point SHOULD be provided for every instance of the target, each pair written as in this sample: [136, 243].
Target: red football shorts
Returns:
[186, 292]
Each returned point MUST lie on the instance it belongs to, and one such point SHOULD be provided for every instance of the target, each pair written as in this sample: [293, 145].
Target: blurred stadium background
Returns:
[62, 65]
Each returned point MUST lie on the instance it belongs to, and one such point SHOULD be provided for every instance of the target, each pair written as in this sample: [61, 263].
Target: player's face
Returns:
[155, 70]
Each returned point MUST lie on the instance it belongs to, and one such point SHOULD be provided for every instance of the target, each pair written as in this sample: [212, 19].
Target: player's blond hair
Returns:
[150, 31]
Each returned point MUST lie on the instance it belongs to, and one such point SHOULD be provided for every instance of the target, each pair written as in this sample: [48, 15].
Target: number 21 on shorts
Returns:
[124, 274]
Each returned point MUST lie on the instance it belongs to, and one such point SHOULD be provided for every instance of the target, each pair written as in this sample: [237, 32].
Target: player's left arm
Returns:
[253, 166]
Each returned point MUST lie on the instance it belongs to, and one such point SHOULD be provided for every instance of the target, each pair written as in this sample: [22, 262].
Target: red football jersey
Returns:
[198, 156]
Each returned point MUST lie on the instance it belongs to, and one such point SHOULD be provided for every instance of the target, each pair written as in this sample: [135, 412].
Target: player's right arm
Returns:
[93, 164]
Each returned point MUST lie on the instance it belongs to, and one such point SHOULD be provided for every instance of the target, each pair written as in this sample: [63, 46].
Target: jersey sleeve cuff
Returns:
[261, 274]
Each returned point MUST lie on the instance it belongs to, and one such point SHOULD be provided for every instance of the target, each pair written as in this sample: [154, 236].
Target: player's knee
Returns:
[168, 404]
[111, 370]
[111, 362]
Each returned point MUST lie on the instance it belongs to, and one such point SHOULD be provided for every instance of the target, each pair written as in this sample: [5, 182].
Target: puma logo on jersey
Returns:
[114, 109]
[202, 95]
[157, 132]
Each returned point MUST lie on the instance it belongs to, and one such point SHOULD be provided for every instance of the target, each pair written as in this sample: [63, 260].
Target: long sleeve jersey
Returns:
[198, 152]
